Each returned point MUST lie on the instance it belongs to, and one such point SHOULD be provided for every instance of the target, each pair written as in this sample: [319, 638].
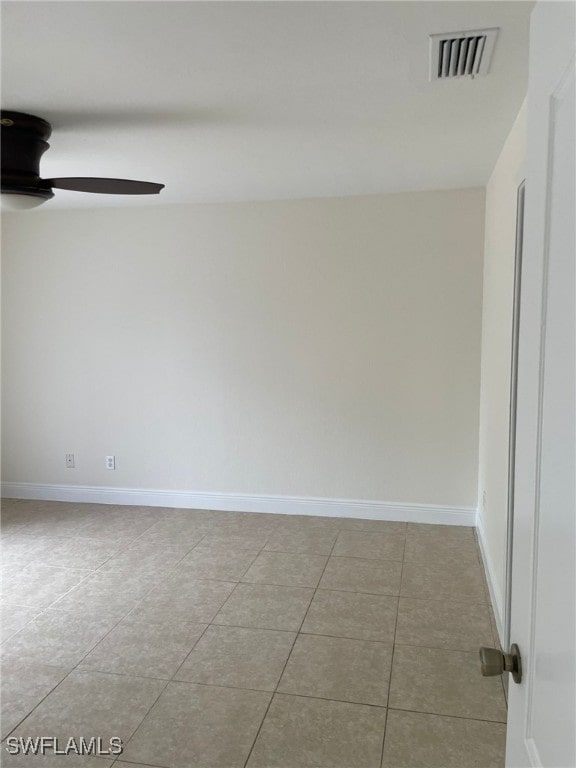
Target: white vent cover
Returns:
[461, 54]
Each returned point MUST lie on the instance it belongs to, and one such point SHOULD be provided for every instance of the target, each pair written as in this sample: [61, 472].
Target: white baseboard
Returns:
[496, 596]
[241, 502]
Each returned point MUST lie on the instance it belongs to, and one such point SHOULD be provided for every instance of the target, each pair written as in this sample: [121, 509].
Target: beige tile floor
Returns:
[223, 640]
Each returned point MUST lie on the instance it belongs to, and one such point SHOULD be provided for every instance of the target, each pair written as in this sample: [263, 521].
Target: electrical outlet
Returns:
[69, 460]
[110, 462]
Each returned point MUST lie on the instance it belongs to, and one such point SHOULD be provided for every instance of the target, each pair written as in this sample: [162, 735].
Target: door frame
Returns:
[519, 243]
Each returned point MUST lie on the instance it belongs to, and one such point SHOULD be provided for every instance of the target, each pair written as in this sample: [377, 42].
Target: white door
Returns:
[542, 714]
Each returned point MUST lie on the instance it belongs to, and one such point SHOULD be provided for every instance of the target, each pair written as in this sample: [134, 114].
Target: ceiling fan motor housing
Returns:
[24, 141]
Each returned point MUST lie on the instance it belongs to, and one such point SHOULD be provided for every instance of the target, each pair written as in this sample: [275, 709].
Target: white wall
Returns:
[326, 348]
[499, 257]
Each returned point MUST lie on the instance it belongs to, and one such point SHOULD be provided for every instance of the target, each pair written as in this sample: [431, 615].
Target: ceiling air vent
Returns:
[461, 54]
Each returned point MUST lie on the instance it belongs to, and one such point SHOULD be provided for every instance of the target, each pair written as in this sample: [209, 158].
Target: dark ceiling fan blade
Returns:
[105, 186]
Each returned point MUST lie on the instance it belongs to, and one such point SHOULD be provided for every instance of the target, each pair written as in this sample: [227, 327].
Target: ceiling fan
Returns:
[24, 141]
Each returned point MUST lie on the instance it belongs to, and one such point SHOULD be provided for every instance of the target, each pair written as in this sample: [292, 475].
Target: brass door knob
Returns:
[494, 662]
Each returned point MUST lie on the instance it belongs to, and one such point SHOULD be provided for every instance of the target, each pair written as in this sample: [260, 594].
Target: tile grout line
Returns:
[443, 714]
[298, 632]
[297, 586]
[392, 658]
[269, 690]
[169, 571]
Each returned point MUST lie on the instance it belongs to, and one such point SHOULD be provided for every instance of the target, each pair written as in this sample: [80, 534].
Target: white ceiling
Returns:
[230, 101]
